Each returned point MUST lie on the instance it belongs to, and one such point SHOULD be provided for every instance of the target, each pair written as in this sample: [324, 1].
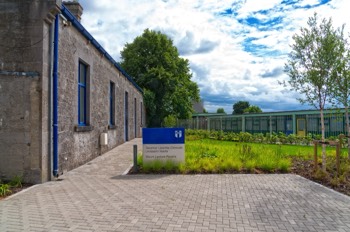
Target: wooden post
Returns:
[315, 156]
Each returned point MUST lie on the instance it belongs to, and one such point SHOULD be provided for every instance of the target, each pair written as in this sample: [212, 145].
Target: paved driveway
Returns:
[97, 197]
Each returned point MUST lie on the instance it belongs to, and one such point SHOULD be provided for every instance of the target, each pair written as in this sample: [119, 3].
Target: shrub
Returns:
[16, 182]
[169, 121]
[4, 190]
[245, 137]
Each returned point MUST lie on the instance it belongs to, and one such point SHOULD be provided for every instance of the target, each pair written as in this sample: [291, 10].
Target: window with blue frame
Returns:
[141, 114]
[111, 104]
[82, 94]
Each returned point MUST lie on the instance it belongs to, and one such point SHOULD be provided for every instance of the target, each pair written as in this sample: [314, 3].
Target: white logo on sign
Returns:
[178, 134]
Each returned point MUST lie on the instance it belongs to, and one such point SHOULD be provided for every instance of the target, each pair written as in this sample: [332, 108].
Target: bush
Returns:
[169, 121]
[4, 190]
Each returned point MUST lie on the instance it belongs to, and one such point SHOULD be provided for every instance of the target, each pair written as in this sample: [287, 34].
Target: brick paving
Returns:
[97, 197]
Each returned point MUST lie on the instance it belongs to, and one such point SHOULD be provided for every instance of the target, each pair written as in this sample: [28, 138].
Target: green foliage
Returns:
[284, 165]
[154, 62]
[250, 165]
[240, 106]
[245, 153]
[273, 138]
[139, 160]
[154, 167]
[204, 154]
[4, 190]
[158, 166]
[266, 163]
[252, 109]
[169, 121]
[16, 182]
[245, 137]
[313, 63]
[220, 111]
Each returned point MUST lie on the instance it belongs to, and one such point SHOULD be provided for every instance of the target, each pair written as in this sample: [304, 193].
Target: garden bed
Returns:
[208, 156]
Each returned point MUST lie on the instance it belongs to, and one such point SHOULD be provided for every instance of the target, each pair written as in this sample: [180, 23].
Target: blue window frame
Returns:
[111, 104]
[135, 117]
[141, 114]
[82, 94]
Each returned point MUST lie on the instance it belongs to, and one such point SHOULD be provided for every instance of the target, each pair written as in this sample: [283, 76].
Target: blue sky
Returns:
[236, 48]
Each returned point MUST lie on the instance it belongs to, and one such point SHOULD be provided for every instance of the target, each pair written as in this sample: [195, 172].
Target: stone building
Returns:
[63, 99]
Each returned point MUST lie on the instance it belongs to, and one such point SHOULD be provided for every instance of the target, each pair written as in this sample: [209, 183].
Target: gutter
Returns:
[55, 100]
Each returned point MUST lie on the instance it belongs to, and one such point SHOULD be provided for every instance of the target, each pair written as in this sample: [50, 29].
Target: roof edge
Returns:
[70, 17]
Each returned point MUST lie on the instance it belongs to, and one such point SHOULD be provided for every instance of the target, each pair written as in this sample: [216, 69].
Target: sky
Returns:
[236, 49]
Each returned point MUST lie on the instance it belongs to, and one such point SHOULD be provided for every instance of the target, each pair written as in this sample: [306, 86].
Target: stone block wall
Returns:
[25, 90]
[24, 125]
[78, 147]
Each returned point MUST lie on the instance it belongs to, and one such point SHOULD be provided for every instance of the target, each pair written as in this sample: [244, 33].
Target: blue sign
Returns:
[163, 135]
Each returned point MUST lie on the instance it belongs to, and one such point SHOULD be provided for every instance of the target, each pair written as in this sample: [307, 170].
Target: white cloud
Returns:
[231, 57]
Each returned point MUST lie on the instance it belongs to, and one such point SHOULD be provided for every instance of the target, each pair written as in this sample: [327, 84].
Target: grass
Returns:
[213, 156]
[204, 155]
[6, 187]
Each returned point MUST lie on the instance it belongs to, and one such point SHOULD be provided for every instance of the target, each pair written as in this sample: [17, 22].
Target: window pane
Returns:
[82, 99]
[301, 124]
[82, 73]
[111, 103]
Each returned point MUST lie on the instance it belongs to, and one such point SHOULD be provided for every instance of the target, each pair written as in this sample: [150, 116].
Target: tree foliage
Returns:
[313, 63]
[240, 106]
[341, 83]
[220, 111]
[253, 109]
[154, 63]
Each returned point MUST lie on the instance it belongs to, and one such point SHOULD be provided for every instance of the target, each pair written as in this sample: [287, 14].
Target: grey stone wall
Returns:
[25, 79]
[24, 43]
[76, 148]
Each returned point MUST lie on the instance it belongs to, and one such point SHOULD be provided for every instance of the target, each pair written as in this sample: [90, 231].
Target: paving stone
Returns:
[97, 197]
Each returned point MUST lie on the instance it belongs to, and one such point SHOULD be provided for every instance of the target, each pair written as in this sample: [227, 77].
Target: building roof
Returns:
[71, 18]
[272, 113]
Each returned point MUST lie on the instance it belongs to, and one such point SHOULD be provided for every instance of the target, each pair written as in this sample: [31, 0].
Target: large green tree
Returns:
[312, 64]
[154, 63]
[240, 106]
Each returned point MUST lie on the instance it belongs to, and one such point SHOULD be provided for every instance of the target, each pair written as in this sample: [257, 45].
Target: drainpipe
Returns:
[55, 100]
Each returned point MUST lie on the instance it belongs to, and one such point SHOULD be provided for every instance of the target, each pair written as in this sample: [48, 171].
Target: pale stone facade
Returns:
[26, 112]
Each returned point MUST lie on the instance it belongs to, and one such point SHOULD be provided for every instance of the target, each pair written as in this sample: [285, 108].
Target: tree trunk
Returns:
[348, 127]
[323, 140]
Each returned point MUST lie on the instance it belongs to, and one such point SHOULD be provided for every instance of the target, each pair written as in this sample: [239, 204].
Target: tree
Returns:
[253, 109]
[341, 86]
[312, 64]
[154, 63]
[220, 111]
[240, 106]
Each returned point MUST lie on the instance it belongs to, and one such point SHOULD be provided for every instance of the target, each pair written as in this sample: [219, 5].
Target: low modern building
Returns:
[63, 99]
[300, 122]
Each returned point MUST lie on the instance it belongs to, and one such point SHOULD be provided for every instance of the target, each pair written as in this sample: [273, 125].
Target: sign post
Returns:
[163, 144]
